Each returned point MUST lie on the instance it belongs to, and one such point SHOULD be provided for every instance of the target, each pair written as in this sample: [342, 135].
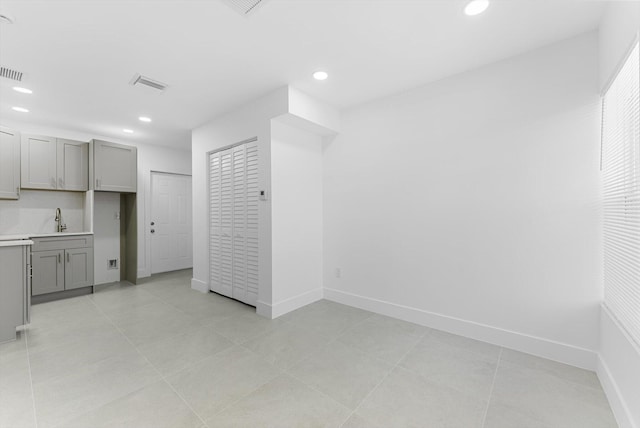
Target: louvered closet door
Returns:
[234, 222]
[226, 222]
[239, 224]
[253, 196]
[215, 223]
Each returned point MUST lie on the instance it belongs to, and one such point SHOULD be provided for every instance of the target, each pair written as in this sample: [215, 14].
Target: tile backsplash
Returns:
[35, 212]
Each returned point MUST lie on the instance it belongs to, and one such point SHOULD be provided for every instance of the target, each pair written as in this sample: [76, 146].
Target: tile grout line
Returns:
[230, 405]
[318, 391]
[242, 345]
[493, 382]
[185, 368]
[288, 373]
[150, 364]
[281, 370]
[422, 336]
[33, 395]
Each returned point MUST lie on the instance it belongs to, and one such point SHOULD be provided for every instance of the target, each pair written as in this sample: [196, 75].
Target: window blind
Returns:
[621, 192]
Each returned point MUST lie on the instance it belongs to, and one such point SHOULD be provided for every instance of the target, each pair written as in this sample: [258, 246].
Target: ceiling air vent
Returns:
[143, 80]
[11, 74]
[244, 7]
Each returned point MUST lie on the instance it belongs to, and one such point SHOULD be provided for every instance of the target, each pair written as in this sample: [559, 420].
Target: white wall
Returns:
[619, 364]
[618, 29]
[35, 212]
[471, 204]
[296, 194]
[158, 159]
[252, 120]
[300, 120]
[106, 236]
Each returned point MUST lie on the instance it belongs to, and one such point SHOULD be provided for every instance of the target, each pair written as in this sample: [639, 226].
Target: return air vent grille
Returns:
[11, 74]
[143, 80]
[244, 7]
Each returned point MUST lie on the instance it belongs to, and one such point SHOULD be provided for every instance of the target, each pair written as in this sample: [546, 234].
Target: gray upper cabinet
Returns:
[54, 163]
[38, 162]
[9, 164]
[73, 165]
[114, 167]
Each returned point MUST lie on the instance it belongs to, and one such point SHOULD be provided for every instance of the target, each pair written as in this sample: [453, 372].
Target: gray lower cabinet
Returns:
[78, 271]
[61, 264]
[48, 272]
[14, 288]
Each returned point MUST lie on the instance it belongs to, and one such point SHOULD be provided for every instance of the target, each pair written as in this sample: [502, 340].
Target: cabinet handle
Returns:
[97, 183]
[68, 258]
[18, 191]
[61, 182]
[59, 261]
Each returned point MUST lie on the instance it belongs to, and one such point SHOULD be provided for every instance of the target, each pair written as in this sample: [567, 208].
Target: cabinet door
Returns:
[38, 162]
[73, 165]
[48, 272]
[78, 270]
[115, 167]
[12, 292]
[9, 164]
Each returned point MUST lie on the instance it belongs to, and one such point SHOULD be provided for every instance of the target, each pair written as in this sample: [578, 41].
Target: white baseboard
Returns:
[557, 351]
[293, 303]
[200, 286]
[285, 306]
[264, 309]
[614, 395]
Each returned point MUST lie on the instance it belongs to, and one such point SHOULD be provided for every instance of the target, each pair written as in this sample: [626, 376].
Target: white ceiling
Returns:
[79, 56]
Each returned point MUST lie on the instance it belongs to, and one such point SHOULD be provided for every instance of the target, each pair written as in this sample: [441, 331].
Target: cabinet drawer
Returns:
[62, 242]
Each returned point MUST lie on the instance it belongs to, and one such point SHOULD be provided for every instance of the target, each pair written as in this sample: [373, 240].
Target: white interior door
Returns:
[233, 224]
[171, 222]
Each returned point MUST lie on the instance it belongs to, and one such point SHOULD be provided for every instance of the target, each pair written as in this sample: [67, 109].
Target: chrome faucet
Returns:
[60, 227]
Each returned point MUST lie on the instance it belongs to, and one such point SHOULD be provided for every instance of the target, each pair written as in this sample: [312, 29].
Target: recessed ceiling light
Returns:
[128, 131]
[6, 19]
[476, 7]
[320, 75]
[144, 119]
[23, 90]
[20, 109]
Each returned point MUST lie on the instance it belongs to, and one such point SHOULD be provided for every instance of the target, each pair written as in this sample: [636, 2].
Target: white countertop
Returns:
[16, 242]
[39, 235]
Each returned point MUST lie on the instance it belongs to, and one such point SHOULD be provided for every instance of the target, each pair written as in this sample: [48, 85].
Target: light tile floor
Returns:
[162, 355]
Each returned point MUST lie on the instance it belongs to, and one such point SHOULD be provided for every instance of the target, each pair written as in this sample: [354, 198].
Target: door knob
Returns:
[153, 231]
[153, 223]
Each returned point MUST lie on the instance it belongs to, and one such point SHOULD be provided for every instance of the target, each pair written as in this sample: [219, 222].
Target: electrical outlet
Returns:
[112, 264]
[338, 273]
